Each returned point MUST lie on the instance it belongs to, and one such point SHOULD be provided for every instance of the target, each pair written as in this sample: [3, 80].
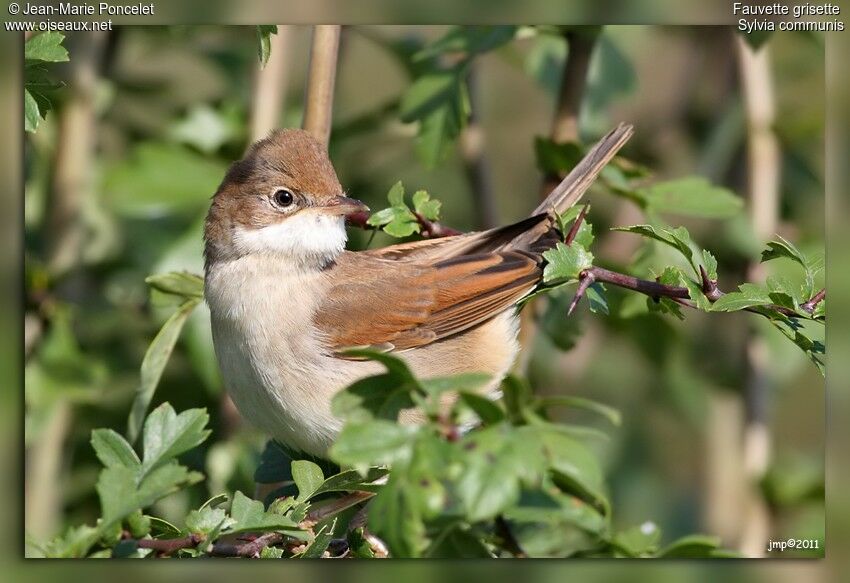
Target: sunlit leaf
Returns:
[154, 363]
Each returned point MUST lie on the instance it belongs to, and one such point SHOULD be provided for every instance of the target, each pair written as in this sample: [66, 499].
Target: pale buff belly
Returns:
[282, 379]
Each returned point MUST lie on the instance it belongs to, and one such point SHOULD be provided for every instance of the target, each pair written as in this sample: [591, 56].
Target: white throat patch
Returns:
[307, 238]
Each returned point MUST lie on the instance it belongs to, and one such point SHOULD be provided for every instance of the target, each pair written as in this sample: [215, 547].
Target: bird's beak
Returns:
[342, 205]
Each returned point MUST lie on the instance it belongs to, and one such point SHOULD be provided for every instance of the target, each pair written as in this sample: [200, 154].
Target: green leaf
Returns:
[470, 381]
[677, 238]
[468, 40]
[431, 92]
[426, 206]
[575, 468]
[488, 411]
[610, 413]
[692, 546]
[75, 543]
[353, 481]
[377, 397]
[116, 488]
[249, 515]
[457, 542]
[749, 295]
[308, 477]
[396, 195]
[162, 481]
[783, 248]
[396, 220]
[154, 363]
[497, 459]
[377, 442]
[395, 517]
[517, 397]
[207, 520]
[264, 42]
[183, 284]
[596, 298]
[161, 179]
[438, 131]
[710, 264]
[32, 115]
[691, 196]
[46, 47]
[566, 262]
[167, 434]
[113, 450]
[639, 541]
[320, 542]
[439, 102]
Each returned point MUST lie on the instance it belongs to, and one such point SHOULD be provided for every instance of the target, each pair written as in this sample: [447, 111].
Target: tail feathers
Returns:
[571, 188]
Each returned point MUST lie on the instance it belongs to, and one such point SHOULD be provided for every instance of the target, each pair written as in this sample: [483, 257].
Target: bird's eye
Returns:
[283, 197]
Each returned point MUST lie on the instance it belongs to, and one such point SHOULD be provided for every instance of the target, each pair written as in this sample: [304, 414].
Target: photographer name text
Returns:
[99, 9]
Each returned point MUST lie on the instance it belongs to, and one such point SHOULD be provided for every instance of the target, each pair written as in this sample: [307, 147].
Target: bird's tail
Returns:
[571, 188]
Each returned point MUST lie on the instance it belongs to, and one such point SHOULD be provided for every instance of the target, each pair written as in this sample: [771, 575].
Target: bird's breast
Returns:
[272, 358]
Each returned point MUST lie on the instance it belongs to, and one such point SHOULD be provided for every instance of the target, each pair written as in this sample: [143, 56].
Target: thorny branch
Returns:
[657, 290]
[653, 289]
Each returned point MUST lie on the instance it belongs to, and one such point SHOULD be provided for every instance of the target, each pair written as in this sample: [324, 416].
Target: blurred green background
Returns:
[163, 110]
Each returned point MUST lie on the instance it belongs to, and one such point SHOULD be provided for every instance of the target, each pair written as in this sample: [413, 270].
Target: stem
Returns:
[335, 507]
[573, 84]
[318, 106]
[475, 161]
[270, 86]
[763, 160]
[248, 549]
[168, 546]
[810, 305]
[564, 129]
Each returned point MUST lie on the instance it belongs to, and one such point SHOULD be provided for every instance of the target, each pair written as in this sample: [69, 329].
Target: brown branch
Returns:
[811, 304]
[318, 103]
[571, 236]
[573, 83]
[334, 507]
[168, 546]
[250, 549]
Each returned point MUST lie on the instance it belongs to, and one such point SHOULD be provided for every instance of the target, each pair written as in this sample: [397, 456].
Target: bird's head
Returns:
[282, 198]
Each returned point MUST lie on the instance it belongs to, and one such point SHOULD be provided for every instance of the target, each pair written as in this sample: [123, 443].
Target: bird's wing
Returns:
[399, 305]
[492, 240]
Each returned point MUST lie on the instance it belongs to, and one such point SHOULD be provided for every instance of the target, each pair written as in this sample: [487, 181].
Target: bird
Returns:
[287, 299]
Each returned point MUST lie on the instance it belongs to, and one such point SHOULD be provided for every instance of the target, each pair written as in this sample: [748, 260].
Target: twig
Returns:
[585, 281]
[168, 546]
[247, 549]
[318, 106]
[810, 305]
[334, 507]
[428, 229]
[571, 236]
[573, 83]
[763, 169]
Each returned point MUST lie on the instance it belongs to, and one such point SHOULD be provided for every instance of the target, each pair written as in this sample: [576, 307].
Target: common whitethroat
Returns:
[286, 298]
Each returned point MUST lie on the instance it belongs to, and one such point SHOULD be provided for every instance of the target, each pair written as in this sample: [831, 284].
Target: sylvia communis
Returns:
[286, 297]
